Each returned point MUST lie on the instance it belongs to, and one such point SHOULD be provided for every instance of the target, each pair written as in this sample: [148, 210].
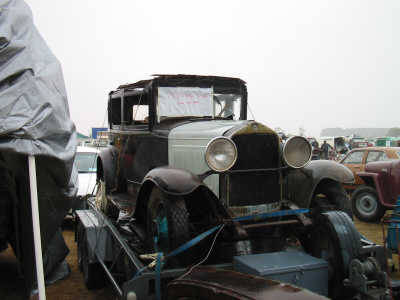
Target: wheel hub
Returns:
[367, 204]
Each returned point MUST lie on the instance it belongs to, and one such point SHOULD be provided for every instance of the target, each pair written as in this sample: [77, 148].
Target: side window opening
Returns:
[376, 156]
[135, 111]
[354, 158]
[140, 114]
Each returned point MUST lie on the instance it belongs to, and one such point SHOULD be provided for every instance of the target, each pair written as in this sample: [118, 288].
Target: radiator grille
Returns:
[255, 151]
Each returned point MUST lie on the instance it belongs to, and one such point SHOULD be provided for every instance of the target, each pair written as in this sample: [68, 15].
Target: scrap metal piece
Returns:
[212, 283]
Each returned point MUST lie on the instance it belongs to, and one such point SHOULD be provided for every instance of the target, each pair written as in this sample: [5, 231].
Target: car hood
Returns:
[207, 129]
[187, 145]
[87, 182]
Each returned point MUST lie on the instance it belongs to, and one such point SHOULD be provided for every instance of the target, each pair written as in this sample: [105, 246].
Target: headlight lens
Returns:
[221, 154]
[297, 152]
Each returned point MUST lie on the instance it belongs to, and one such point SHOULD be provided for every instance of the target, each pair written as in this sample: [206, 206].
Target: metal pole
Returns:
[36, 227]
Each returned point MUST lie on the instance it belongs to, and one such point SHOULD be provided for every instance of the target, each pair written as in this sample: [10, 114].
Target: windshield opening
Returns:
[178, 102]
[86, 162]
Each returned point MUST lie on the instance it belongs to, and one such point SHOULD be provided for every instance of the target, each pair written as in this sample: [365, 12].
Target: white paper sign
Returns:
[185, 101]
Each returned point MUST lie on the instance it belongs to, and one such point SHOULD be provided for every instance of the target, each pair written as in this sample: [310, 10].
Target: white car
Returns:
[85, 161]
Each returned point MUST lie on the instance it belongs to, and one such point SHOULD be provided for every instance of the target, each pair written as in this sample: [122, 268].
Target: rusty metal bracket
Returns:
[306, 221]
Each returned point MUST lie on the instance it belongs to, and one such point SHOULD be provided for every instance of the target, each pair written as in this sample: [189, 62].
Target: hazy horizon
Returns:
[315, 64]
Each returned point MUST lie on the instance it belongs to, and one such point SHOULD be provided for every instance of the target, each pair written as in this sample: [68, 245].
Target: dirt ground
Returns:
[73, 288]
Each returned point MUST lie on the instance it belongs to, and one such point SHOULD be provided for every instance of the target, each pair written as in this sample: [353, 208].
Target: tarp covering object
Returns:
[34, 120]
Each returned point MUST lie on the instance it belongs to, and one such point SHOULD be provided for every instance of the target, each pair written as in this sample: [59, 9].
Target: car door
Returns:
[355, 161]
[380, 155]
[376, 155]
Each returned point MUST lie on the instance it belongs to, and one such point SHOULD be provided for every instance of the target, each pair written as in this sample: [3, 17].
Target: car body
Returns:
[379, 191]
[357, 158]
[85, 162]
[160, 139]
[183, 157]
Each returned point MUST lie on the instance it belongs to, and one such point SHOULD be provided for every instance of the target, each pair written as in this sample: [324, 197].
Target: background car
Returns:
[379, 192]
[85, 161]
[356, 160]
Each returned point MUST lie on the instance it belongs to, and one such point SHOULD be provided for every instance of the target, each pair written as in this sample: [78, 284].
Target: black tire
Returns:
[334, 238]
[93, 273]
[366, 205]
[168, 225]
[334, 197]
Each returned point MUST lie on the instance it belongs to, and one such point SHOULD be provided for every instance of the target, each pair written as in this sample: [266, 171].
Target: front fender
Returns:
[174, 182]
[301, 183]
[106, 166]
[372, 179]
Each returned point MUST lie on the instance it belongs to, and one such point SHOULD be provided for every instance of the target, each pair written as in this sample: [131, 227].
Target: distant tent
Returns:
[81, 136]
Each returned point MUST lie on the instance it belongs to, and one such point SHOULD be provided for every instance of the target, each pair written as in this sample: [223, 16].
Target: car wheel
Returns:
[334, 238]
[332, 196]
[168, 225]
[366, 205]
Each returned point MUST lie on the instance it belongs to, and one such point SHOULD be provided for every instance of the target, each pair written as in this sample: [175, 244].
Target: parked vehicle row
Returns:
[377, 186]
[369, 199]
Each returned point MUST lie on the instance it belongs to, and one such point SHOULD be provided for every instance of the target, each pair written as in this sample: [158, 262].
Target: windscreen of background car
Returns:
[376, 156]
[196, 102]
[354, 158]
[86, 162]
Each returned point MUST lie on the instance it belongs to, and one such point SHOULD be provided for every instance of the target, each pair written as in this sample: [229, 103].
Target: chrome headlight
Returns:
[297, 152]
[221, 154]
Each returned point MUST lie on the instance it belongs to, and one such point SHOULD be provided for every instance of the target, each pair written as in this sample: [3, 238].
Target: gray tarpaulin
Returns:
[34, 119]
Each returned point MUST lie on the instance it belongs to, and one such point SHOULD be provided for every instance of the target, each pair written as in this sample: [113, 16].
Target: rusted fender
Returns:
[215, 284]
[173, 181]
[177, 182]
[106, 162]
[378, 187]
[302, 183]
[330, 169]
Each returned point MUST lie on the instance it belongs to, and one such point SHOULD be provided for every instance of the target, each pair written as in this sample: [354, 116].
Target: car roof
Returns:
[87, 149]
[144, 83]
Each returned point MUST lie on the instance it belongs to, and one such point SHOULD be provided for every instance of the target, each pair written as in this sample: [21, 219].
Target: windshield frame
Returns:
[224, 105]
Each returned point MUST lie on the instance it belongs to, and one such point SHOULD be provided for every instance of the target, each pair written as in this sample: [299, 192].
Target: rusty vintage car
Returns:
[357, 158]
[379, 191]
[185, 164]
[365, 203]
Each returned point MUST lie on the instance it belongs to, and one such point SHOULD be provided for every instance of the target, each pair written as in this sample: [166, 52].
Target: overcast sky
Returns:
[314, 64]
